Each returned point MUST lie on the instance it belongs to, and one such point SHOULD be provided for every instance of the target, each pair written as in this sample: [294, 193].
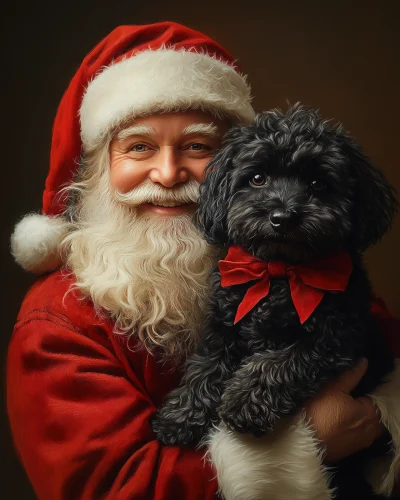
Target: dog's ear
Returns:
[215, 191]
[375, 200]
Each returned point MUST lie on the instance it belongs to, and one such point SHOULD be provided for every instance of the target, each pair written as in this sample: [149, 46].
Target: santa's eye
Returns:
[198, 146]
[317, 185]
[258, 180]
[139, 148]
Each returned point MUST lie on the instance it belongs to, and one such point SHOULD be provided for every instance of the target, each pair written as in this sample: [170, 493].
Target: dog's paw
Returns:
[178, 427]
[245, 414]
[170, 432]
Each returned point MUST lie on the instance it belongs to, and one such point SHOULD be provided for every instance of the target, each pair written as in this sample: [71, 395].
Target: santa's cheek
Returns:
[126, 175]
[197, 167]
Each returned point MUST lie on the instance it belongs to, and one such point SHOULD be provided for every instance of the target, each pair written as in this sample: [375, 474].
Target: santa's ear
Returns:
[215, 191]
[375, 200]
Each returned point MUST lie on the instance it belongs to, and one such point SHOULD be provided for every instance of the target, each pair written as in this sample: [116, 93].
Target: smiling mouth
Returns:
[169, 204]
[168, 207]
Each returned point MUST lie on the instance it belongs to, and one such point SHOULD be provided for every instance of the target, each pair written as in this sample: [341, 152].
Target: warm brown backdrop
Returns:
[342, 57]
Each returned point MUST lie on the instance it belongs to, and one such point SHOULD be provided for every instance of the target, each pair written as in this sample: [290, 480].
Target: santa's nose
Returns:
[168, 168]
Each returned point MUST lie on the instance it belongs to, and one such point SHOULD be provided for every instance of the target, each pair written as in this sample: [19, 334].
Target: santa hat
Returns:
[134, 71]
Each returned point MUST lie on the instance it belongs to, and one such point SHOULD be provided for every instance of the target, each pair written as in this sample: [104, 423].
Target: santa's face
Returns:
[135, 250]
[168, 150]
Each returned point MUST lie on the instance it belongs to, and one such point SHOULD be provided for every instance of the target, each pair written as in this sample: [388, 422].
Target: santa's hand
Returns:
[345, 425]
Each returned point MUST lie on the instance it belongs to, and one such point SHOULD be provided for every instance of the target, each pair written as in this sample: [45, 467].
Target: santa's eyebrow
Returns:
[202, 128]
[136, 130]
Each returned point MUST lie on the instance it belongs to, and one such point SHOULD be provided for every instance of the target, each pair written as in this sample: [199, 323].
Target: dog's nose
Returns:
[283, 220]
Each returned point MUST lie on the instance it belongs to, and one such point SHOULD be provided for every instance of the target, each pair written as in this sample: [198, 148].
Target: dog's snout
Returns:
[283, 220]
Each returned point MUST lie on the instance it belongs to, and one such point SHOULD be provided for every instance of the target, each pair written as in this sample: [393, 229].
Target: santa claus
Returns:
[101, 336]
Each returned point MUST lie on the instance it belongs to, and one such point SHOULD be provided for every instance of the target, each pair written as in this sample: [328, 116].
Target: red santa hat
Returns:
[134, 71]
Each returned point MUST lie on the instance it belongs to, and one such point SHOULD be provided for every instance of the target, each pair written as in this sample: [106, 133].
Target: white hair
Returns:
[149, 273]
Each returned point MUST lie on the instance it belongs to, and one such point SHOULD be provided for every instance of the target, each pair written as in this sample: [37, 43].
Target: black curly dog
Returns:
[290, 187]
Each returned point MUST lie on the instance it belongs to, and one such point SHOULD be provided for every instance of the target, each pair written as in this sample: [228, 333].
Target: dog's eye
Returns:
[258, 180]
[317, 185]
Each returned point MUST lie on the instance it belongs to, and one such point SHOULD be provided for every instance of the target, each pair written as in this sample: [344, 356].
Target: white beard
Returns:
[149, 273]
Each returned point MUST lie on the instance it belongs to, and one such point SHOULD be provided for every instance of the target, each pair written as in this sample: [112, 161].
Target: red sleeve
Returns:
[81, 427]
[389, 324]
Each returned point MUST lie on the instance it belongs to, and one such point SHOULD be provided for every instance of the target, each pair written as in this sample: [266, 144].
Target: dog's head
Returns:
[292, 186]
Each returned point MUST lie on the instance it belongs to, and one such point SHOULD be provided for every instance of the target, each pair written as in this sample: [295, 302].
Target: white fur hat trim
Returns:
[159, 81]
[35, 242]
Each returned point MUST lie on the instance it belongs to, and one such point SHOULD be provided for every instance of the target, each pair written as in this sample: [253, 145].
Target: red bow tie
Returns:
[307, 281]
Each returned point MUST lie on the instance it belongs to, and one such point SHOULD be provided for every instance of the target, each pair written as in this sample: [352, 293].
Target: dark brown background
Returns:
[341, 57]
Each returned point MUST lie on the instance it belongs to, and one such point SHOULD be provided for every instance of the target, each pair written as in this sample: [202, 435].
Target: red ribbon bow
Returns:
[307, 281]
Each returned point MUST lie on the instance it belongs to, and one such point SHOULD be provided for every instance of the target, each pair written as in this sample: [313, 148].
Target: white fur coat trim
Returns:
[285, 465]
[383, 472]
[162, 80]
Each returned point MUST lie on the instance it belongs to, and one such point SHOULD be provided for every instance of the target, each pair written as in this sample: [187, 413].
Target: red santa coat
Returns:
[79, 402]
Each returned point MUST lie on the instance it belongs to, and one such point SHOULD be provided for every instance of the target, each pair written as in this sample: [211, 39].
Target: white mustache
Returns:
[148, 192]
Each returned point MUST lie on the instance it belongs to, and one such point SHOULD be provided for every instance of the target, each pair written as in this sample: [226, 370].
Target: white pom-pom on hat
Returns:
[35, 242]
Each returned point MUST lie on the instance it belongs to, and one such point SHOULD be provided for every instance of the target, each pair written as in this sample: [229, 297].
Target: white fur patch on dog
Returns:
[286, 465]
[382, 472]
[158, 81]
[35, 242]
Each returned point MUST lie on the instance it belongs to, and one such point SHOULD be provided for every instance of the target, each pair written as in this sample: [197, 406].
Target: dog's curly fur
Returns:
[268, 365]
